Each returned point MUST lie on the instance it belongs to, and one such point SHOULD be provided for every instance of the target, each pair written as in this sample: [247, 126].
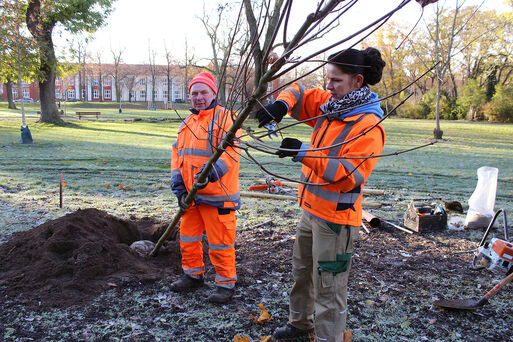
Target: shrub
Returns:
[413, 110]
[470, 102]
[447, 106]
[500, 108]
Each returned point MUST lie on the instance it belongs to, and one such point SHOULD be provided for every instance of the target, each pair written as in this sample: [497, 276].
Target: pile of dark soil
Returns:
[70, 260]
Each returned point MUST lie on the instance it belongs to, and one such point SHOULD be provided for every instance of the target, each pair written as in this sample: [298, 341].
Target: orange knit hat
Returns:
[205, 78]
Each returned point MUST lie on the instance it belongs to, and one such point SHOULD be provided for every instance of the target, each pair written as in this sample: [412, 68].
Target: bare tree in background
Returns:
[129, 82]
[78, 48]
[444, 39]
[152, 68]
[171, 72]
[224, 39]
[188, 61]
[99, 73]
[118, 73]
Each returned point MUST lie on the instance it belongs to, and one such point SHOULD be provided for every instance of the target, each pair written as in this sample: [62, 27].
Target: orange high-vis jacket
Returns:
[340, 201]
[198, 137]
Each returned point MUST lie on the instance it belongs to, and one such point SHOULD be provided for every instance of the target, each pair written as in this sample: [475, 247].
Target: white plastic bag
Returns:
[482, 201]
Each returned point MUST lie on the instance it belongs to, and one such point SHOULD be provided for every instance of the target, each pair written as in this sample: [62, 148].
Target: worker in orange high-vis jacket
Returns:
[336, 164]
[215, 203]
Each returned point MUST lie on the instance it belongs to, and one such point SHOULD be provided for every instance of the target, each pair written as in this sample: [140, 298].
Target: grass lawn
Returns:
[121, 166]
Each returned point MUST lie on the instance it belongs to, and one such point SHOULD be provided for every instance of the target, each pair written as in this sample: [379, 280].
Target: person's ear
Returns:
[359, 80]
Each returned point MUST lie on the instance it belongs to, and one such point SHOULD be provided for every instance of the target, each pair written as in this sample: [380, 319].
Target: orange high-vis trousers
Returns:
[220, 226]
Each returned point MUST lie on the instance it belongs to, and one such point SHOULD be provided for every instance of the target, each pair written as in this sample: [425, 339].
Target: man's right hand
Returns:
[274, 111]
[181, 201]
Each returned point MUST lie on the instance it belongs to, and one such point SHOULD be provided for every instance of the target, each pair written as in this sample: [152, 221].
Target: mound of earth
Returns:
[71, 259]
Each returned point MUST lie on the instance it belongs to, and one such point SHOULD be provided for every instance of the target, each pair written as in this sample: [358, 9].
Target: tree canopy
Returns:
[75, 16]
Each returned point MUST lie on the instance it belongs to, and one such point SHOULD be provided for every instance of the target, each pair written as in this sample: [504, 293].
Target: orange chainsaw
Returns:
[273, 186]
[496, 254]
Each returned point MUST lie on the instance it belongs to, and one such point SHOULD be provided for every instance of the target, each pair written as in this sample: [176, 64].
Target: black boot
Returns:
[221, 295]
[186, 284]
[290, 333]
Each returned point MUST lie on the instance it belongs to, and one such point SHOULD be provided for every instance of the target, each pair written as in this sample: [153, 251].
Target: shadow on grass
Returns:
[75, 126]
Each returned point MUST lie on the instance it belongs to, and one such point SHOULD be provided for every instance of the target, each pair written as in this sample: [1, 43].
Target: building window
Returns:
[71, 81]
[96, 94]
[177, 94]
[83, 94]
[132, 95]
[155, 94]
[164, 82]
[15, 93]
[58, 94]
[164, 93]
[107, 81]
[142, 94]
[71, 94]
[26, 93]
[106, 94]
[142, 81]
[96, 81]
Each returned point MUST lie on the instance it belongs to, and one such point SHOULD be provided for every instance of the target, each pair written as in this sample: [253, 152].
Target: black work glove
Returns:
[291, 143]
[181, 201]
[274, 111]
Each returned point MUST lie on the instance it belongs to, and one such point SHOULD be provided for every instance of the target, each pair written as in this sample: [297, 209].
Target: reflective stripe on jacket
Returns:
[341, 201]
[198, 137]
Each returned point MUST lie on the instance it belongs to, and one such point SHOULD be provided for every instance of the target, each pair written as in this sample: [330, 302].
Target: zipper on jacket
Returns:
[311, 171]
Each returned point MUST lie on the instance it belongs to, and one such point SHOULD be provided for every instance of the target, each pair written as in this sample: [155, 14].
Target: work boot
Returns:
[221, 295]
[186, 284]
[290, 333]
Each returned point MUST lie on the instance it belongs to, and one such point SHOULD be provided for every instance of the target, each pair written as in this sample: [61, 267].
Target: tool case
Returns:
[423, 216]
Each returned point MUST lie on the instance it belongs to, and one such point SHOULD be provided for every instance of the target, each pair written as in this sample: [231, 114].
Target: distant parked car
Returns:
[72, 100]
[179, 101]
[25, 99]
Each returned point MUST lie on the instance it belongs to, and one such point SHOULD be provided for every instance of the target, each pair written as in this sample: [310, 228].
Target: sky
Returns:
[136, 25]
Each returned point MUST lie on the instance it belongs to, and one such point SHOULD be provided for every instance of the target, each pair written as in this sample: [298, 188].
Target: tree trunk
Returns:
[454, 85]
[471, 114]
[169, 90]
[80, 85]
[153, 90]
[42, 32]
[49, 111]
[437, 132]
[8, 89]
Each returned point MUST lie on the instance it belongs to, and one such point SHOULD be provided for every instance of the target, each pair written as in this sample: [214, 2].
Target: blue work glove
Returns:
[213, 175]
[274, 111]
[179, 190]
[290, 143]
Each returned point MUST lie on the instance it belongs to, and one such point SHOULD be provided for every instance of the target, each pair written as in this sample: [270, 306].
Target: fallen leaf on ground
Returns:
[264, 315]
[238, 338]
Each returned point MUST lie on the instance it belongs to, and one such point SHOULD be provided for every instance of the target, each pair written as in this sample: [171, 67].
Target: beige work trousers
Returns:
[318, 298]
